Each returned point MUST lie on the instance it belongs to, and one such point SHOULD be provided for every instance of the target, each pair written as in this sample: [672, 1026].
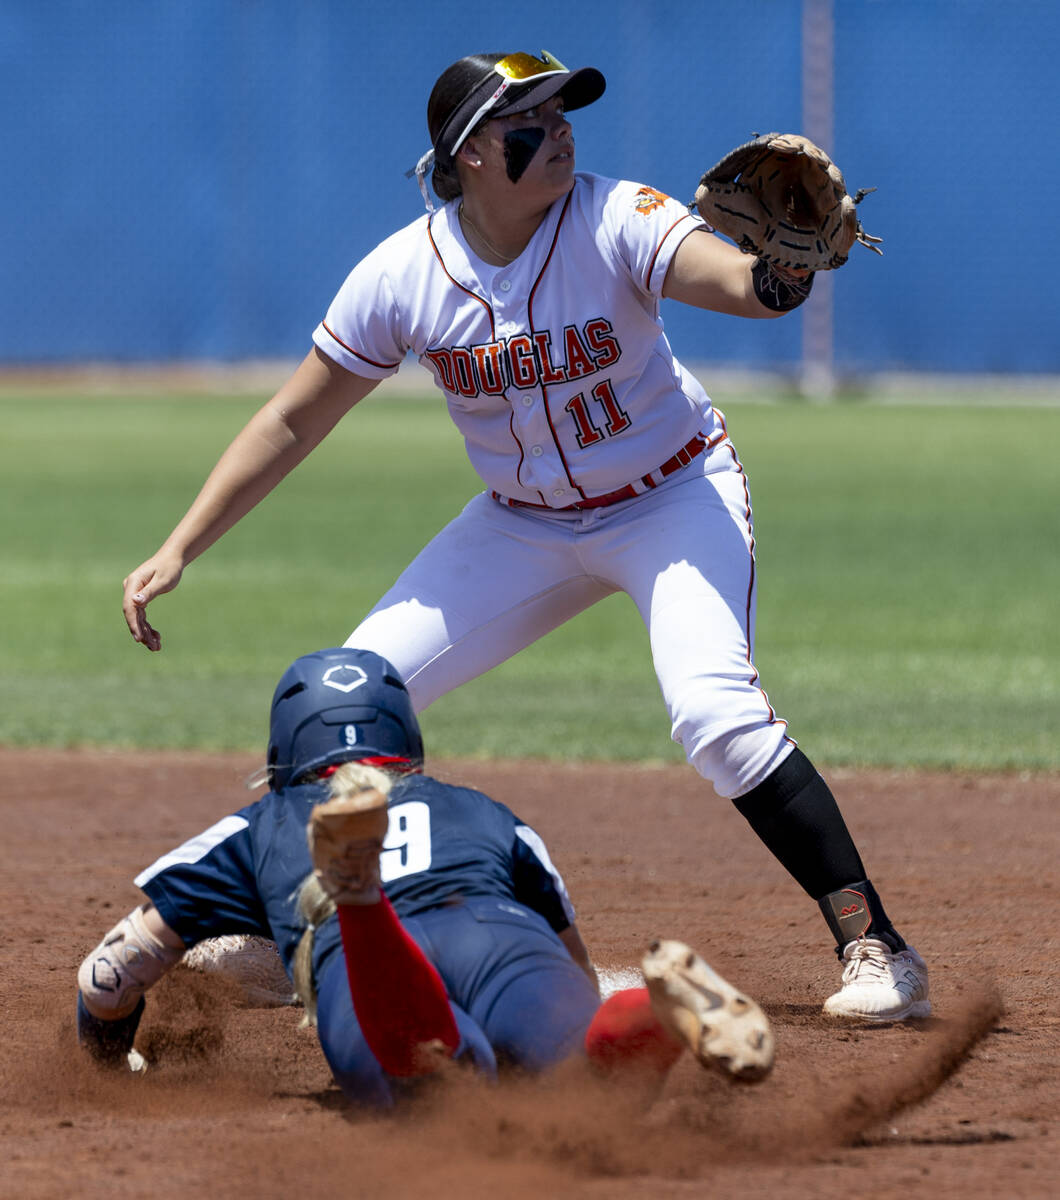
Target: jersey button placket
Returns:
[530, 421]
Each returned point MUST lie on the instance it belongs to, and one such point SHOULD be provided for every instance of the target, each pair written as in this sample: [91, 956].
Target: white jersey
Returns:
[555, 367]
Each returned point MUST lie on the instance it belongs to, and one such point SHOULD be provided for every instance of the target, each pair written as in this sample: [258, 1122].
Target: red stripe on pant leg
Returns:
[626, 1034]
[398, 996]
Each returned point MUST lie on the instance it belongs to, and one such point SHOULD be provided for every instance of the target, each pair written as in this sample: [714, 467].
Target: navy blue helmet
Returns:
[335, 706]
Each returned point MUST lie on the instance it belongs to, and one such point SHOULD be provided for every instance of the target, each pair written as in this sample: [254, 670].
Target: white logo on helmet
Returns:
[343, 678]
[350, 733]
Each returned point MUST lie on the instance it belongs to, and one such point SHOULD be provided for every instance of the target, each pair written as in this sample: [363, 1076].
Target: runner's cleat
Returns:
[345, 840]
[722, 1027]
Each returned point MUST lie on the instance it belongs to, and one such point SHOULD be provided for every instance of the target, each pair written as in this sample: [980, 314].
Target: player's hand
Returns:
[158, 575]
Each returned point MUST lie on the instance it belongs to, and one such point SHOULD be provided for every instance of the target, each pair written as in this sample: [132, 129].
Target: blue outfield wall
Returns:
[193, 179]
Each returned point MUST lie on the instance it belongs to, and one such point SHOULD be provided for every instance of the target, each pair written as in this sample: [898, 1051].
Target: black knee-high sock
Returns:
[795, 814]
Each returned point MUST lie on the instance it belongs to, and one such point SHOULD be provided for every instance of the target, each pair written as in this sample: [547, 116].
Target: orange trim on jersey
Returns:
[456, 282]
[493, 329]
[362, 357]
[522, 452]
[530, 324]
[662, 242]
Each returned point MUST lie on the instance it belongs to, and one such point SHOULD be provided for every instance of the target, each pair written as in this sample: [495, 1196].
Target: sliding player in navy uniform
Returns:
[420, 922]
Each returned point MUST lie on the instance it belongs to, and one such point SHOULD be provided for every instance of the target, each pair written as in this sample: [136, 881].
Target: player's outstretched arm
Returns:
[272, 443]
[708, 272]
[112, 980]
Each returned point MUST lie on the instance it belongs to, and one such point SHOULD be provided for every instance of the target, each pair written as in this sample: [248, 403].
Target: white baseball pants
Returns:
[497, 578]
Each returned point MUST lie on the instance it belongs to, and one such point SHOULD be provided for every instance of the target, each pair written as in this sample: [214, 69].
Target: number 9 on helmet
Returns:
[335, 706]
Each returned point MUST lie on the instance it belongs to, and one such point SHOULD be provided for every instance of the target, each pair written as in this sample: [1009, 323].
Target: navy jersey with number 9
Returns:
[445, 844]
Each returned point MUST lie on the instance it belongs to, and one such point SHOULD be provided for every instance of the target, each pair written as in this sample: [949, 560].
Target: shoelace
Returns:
[868, 960]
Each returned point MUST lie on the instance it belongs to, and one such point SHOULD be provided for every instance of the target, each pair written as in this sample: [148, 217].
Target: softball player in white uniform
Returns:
[532, 296]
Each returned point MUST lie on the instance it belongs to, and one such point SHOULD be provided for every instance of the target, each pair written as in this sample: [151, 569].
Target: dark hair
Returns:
[465, 88]
[452, 88]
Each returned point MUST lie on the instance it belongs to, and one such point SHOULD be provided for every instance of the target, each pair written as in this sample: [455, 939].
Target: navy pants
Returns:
[518, 998]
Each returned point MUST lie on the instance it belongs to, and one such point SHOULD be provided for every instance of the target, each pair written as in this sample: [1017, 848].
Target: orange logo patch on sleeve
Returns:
[648, 200]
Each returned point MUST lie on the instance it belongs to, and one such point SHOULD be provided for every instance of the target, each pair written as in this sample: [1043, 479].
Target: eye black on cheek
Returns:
[520, 146]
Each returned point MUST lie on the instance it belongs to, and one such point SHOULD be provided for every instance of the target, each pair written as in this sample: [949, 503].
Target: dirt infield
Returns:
[240, 1102]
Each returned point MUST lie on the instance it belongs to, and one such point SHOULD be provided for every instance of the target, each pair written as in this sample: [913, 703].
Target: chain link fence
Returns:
[192, 181]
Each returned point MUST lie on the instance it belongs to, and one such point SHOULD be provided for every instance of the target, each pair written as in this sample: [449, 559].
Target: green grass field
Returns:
[907, 558]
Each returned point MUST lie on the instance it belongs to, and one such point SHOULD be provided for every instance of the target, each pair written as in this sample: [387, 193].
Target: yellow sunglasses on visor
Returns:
[513, 68]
